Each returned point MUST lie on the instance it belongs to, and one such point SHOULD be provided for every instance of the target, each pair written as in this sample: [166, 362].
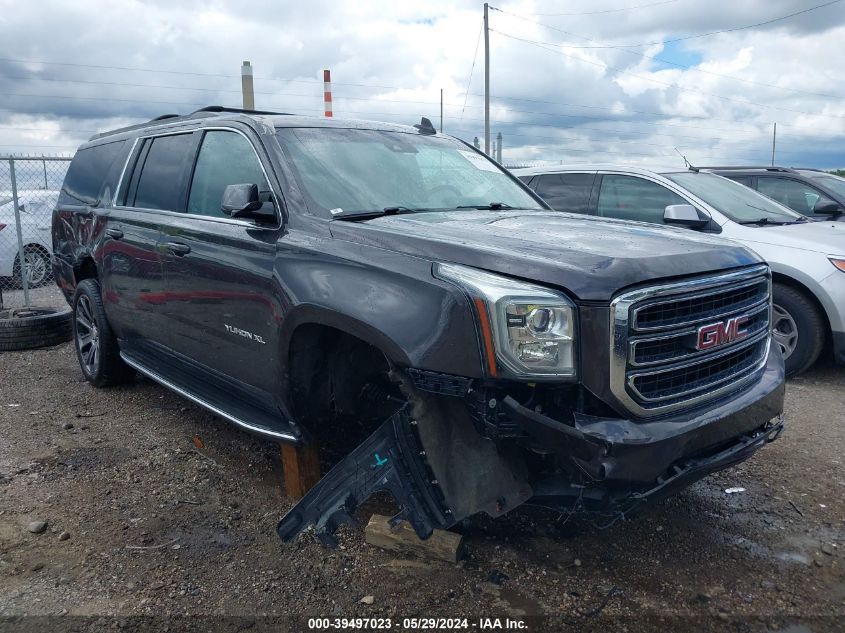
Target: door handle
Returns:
[178, 249]
[115, 234]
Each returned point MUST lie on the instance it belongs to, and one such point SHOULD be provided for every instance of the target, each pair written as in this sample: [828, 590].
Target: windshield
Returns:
[834, 183]
[736, 201]
[348, 172]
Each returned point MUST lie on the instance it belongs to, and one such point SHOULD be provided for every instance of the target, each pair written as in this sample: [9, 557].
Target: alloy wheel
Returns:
[87, 336]
[784, 331]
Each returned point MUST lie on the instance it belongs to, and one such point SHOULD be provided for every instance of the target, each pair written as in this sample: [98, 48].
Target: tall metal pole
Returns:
[441, 110]
[499, 147]
[486, 83]
[774, 141]
[246, 86]
[22, 267]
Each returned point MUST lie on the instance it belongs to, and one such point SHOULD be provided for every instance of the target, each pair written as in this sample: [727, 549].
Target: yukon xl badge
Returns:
[236, 330]
[721, 333]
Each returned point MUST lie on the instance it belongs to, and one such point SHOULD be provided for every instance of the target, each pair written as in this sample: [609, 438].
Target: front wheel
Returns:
[797, 327]
[96, 345]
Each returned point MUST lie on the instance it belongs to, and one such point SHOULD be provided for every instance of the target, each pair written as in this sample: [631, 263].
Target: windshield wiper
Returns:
[767, 221]
[364, 215]
[493, 206]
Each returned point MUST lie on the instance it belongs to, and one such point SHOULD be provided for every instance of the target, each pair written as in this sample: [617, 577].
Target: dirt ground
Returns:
[143, 526]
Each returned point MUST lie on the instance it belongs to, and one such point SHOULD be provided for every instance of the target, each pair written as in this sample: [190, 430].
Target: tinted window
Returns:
[225, 158]
[743, 180]
[160, 185]
[794, 194]
[88, 172]
[566, 192]
[834, 183]
[631, 198]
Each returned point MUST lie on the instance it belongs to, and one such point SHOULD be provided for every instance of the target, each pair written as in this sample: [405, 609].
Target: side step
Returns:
[180, 381]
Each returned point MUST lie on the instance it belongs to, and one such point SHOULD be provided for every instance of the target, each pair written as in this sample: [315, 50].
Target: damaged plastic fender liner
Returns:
[389, 460]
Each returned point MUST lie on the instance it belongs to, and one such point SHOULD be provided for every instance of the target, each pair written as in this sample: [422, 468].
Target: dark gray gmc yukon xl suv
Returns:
[303, 276]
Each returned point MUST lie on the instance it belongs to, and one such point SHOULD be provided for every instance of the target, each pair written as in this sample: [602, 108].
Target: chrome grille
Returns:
[656, 366]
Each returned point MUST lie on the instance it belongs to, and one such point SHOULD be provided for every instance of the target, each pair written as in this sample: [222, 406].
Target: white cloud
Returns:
[389, 61]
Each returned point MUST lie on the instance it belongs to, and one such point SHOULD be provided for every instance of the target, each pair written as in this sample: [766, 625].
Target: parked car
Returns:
[811, 192]
[300, 276]
[36, 209]
[807, 258]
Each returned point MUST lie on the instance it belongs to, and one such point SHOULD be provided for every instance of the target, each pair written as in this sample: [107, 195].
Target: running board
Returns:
[207, 402]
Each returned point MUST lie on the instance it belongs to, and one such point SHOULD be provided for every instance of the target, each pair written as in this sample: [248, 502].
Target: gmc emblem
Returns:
[722, 333]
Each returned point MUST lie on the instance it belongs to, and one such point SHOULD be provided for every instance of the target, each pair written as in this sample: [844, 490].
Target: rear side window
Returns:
[743, 180]
[225, 158]
[632, 198]
[796, 195]
[161, 183]
[566, 192]
[88, 174]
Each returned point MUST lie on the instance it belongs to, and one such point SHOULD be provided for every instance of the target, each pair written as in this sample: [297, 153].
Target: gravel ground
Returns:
[141, 524]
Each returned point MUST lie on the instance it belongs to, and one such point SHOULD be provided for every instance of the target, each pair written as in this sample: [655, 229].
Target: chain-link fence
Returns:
[29, 189]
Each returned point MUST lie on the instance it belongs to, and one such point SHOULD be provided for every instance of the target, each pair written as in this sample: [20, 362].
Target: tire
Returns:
[38, 259]
[96, 346]
[798, 327]
[31, 328]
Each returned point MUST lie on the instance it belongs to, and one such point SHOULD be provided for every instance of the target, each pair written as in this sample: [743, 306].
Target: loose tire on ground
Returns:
[31, 328]
[95, 343]
[799, 325]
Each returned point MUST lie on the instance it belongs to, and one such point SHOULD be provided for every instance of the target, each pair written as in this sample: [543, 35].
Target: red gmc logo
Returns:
[722, 333]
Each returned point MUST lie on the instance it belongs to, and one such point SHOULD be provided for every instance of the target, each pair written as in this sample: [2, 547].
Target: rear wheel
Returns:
[797, 327]
[95, 343]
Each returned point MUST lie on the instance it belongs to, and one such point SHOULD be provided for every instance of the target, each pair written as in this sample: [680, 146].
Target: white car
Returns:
[807, 258]
[36, 209]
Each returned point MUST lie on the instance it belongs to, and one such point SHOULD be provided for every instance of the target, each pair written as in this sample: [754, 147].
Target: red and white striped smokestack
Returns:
[327, 91]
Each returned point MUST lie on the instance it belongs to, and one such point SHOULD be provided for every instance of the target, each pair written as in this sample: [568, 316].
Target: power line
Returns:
[664, 61]
[709, 33]
[472, 68]
[605, 66]
[620, 9]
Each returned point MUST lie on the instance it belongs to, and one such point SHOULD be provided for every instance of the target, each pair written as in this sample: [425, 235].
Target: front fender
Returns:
[392, 302]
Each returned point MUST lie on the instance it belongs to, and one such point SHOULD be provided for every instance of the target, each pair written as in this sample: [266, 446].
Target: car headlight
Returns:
[527, 331]
[839, 262]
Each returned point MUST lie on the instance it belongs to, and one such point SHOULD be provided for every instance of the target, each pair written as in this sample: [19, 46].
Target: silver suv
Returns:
[807, 258]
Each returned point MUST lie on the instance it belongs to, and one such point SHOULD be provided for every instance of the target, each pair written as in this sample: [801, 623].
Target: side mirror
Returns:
[683, 215]
[243, 201]
[827, 207]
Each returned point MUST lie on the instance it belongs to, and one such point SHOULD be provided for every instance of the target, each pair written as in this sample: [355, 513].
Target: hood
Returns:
[826, 237]
[591, 258]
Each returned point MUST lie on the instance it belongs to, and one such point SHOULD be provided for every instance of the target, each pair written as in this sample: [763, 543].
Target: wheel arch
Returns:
[786, 280]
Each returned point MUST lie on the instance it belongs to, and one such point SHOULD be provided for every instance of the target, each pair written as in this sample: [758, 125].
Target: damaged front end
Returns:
[443, 457]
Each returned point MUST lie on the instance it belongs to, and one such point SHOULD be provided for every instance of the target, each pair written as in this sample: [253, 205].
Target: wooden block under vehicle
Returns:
[441, 545]
[301, 465]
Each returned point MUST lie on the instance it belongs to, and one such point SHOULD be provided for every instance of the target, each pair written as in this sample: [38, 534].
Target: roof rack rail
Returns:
[218, 108]
[165, 116]
[743, 167]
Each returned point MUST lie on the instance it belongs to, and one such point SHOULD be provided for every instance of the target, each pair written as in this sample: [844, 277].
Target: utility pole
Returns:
[499, 147]
[486, 81]
[441, 110]
[246, 86]
[774, 140]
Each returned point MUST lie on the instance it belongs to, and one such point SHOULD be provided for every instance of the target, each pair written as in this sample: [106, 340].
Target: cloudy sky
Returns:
[571, 81]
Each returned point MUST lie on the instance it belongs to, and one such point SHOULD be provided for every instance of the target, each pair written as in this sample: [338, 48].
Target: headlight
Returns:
[527, 331]
[839, 262]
